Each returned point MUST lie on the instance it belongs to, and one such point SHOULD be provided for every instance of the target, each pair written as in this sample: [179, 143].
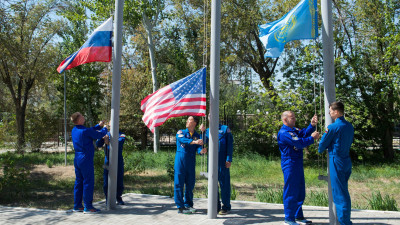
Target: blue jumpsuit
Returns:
[225, 151]
[291, 142]
[185, 165]
[120, 171]
[82, 139]
[338, 139]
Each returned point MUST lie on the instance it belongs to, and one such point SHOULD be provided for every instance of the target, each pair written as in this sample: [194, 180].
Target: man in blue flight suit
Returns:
[120, 172]
[82, 139]
[337, 139]
[225, 151]
[188, 143]
[291, 141]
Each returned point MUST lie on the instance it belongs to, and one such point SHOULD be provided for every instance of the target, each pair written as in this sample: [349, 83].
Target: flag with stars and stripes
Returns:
[185, 97]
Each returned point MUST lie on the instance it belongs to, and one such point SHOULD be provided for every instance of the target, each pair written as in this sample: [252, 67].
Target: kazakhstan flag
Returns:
[300, 23]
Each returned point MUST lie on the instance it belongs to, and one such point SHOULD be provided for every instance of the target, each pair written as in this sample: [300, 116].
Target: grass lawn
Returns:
[47, 183]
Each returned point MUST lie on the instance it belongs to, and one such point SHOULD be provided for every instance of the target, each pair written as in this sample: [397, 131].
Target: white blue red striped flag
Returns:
[185, 97]
[96, 49]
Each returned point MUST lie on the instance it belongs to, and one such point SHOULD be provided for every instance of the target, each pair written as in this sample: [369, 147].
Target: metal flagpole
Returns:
[115, 104]
[214, 108]
[329, 85]
[65, 118]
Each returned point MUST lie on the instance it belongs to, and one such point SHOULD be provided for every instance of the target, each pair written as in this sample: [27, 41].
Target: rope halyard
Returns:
[203, 169]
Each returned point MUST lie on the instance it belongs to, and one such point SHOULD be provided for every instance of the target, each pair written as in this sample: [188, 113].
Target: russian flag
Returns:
[98, 48]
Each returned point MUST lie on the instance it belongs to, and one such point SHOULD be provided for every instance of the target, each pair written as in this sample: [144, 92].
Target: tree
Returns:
[83, 82]
[367, 41]
[26, 32]
[150, 17]
[148, 13]
[366, 70]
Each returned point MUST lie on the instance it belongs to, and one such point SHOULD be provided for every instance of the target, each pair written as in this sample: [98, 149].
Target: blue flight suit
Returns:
[338, 139]
[185, 168]
[291, 142]
[120, 170]
[82, 139]
[225, 151]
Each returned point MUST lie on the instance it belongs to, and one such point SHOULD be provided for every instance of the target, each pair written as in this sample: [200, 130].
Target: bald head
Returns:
[286, 114]
[289, 119]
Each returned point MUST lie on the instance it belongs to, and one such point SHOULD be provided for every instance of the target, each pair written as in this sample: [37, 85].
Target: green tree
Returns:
[148, 13]
[27, 30]
[367, 41]
[366, 70]
[83, 82]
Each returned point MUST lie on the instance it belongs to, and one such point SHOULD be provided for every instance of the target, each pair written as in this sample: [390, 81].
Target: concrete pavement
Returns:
[153, 209]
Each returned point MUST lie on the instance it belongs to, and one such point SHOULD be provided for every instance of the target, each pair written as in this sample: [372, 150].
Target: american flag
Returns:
[185, 97]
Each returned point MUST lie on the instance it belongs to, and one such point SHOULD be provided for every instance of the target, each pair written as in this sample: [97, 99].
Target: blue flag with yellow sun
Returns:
[300, 23]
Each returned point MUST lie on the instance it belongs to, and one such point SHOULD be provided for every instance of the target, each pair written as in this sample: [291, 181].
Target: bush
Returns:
[49, 163]
[14, 181]
[129, 144]
[8, 131]
[134, 163]
[98, 162]
[38, 129]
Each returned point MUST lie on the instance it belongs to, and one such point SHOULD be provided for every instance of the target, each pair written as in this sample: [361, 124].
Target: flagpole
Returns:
[115, 104]
[329, 85]
[65, 117]
[214, 108]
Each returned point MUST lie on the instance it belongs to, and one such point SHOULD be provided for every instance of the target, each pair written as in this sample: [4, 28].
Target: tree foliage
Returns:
[27, 30]
[83, 82]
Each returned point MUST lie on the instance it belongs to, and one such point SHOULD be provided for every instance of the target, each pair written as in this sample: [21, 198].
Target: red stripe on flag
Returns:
[92, 54]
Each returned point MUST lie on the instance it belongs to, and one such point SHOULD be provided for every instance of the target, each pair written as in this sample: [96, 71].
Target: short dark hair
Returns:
[75, 117]
[196, 119]
[337, 106]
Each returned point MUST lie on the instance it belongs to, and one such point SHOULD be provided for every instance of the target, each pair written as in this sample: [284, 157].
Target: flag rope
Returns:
[204, 119]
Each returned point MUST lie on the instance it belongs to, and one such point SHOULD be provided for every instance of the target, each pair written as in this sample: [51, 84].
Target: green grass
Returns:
[379, 202]
[367, 172]
[317, 198]
[270, 195]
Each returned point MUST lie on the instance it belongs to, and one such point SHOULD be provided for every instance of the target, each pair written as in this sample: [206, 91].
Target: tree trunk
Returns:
[388, 151]
[20, 117]
[143, 137]
[150, 43]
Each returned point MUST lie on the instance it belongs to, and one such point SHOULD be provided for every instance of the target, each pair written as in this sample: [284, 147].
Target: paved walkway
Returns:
[152, 209]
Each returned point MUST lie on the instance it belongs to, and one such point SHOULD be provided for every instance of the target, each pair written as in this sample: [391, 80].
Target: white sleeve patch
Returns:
[295, 138]
[181, 135]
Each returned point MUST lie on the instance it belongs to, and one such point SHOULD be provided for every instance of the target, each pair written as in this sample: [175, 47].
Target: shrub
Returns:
[169, 165]
[14, 181]
[49, 163]
[134, 163]
[98, 162]
[38, 129]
